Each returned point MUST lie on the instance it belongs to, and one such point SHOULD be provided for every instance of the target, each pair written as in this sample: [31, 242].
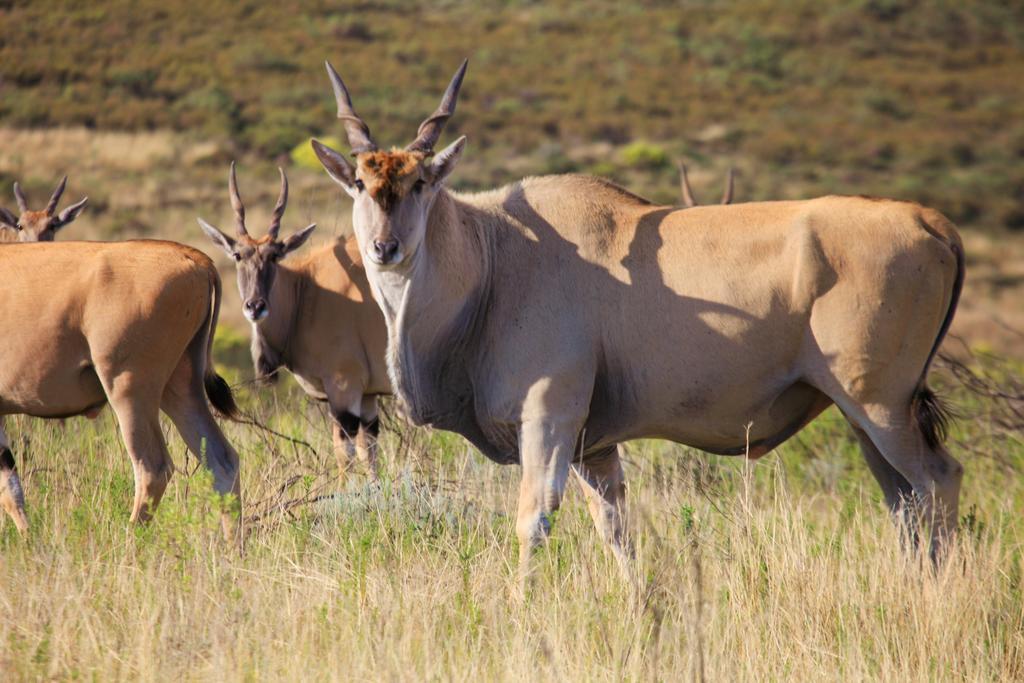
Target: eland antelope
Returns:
[129, 323]
[315, 317]
[37, 226]
[552, 319]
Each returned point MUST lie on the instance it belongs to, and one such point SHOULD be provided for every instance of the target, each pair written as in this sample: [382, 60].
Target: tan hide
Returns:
[129, 323]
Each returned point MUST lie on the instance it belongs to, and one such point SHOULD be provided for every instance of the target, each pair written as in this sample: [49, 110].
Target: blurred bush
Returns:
[303, 155]
[645, 155]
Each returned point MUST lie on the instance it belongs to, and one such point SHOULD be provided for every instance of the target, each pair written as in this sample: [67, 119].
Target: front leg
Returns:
[604, 486]
[344, 399]
[546, 447]
[369, 432]
[344, 430]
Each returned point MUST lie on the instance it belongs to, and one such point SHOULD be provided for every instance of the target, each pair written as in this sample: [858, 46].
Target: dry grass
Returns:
[784, 569]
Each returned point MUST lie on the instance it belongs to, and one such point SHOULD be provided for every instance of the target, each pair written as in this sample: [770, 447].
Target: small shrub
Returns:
[647, 155]
[302, 154]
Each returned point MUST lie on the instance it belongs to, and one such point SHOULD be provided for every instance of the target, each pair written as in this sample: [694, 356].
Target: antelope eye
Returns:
[359, 185]
[418, 186]
[236, 256]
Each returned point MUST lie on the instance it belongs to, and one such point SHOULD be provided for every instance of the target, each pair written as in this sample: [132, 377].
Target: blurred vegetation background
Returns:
[919, 99]
[144, 102]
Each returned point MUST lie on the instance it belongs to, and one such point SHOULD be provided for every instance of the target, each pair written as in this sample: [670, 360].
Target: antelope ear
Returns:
[297, 239]
[8, 219]
[218, 238]
[69, 214]
[445, 161]
[337, 166]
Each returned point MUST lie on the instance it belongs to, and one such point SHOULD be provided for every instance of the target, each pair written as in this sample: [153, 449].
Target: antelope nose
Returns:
[255, 309]
[385, 250]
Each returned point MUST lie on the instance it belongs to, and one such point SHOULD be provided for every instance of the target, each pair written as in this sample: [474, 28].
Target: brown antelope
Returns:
[689, 200]
[316, 318]
[129, 323]
[552, 319]
[37, 226]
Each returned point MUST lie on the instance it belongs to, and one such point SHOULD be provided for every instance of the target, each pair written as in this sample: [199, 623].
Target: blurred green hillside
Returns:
[913, 99]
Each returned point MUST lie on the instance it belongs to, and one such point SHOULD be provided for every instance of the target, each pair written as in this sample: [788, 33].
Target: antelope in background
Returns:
[316, 318]
[689, 200]
[129, 323]
[37, 226]
[552, 319]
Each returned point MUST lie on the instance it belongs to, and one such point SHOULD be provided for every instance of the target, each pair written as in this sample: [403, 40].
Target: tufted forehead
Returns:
[249, 241]
[34, 218]
[388, 175]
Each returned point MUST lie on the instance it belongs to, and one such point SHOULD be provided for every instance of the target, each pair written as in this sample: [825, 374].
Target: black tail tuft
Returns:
[933, 416]
[219, 393]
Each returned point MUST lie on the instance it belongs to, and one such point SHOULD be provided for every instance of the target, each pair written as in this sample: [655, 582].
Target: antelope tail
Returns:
[931, 413]
[217, 390]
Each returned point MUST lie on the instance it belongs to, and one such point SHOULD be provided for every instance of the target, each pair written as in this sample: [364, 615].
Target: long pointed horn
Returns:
[55, 197]
[358, 132]
[727, 195]
[689, 200]
[282, 201]
[20, 197]
[430, 130]
[236, 203]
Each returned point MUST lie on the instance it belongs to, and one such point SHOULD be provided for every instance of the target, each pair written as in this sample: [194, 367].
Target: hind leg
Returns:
[899, 494]
[12, 498]
[604, 486]
[369, 431]
[139, 422]
[345, 402]
[932, 473]
[344, 431]
[186, 406]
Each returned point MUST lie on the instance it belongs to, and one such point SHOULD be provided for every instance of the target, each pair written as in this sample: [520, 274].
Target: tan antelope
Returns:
[129, 323]
[37, 226]
[315, 317]
[552, 319]
[690, 200]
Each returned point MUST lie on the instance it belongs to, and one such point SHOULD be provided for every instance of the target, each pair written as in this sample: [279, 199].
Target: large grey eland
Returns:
[315, 317]
[554, 318]
[129, 323]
